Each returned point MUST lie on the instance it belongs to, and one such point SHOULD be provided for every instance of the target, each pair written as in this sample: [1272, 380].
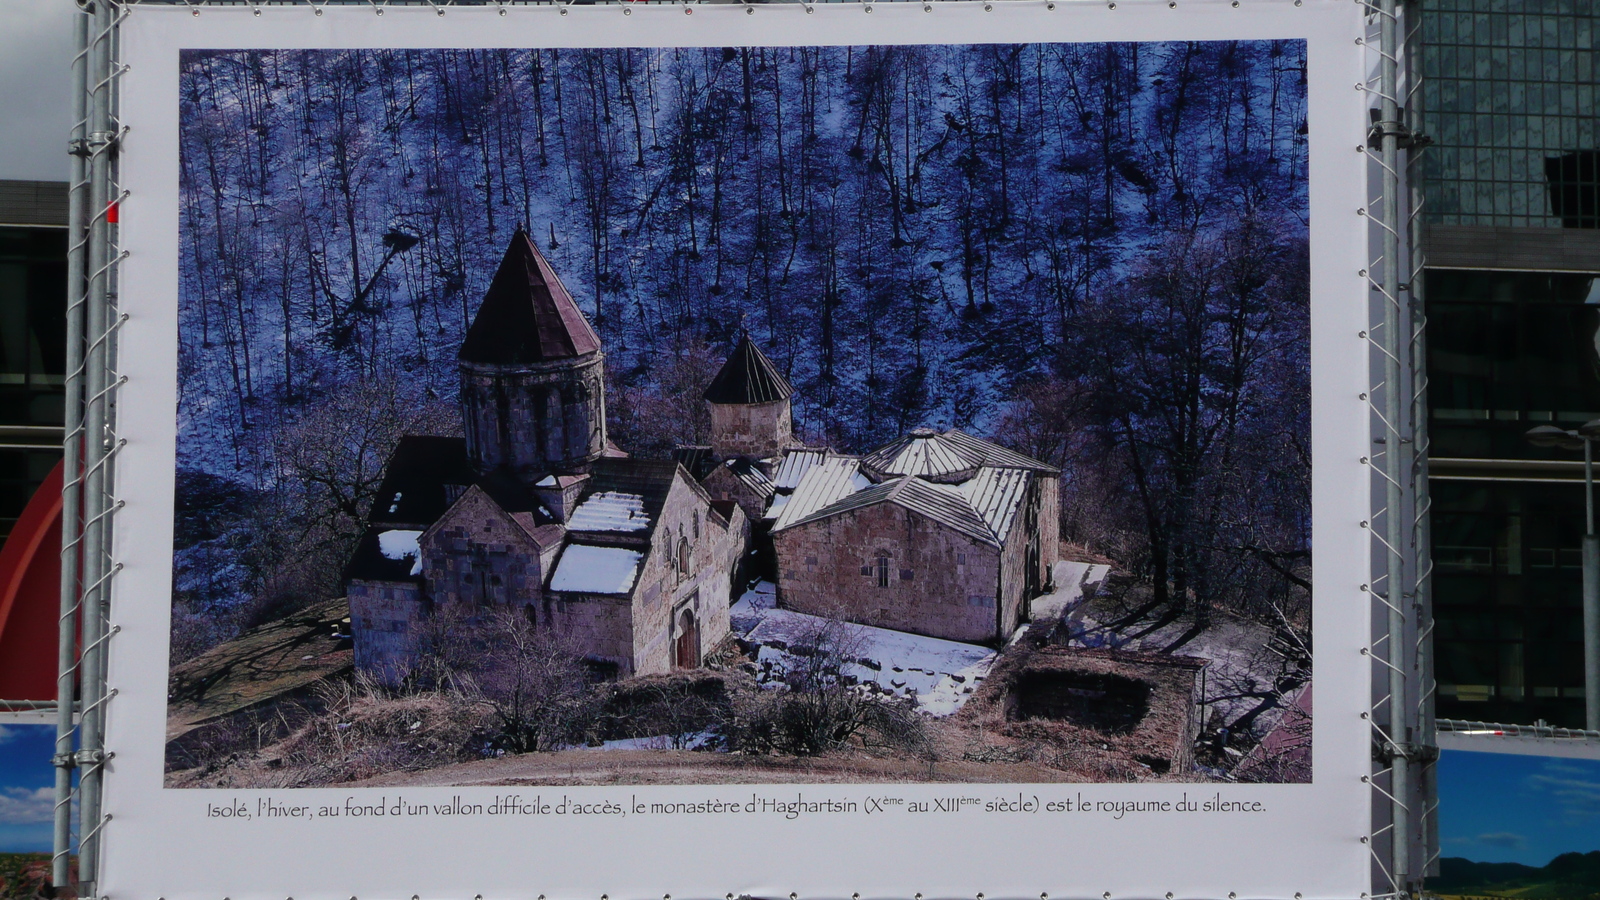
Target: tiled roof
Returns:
[369, 563]
[413, 488]
[938, 502]
[793, 467]
[698, 460]
[748, 377]
[823, 483]
[645, 482]
[995, 455]
[751, 474]
[527, 316]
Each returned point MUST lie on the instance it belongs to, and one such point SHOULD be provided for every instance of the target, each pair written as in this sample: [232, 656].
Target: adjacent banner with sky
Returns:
[705, 450]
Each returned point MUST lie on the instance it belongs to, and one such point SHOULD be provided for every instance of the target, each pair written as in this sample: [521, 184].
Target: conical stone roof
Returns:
[748, 377]
[527, 316]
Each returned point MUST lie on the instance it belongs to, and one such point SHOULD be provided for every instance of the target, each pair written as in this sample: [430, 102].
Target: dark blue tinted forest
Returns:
[1094, 253]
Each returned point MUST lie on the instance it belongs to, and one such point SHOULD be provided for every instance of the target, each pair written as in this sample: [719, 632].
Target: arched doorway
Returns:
[686, 640]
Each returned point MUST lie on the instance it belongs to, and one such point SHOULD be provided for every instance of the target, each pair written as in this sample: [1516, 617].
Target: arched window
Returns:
[683, 555]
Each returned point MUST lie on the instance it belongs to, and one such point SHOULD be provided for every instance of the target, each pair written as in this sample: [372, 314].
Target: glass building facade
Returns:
[1510, 91]
[1513, 301]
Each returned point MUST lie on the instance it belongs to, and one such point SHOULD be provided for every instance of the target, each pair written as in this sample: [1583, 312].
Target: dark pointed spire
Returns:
[527, 316]
[748, 377]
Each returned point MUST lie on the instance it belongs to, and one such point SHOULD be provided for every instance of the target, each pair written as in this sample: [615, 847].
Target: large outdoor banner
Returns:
[870, 449]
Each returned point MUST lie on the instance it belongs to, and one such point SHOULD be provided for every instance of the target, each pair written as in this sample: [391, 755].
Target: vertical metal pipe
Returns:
[1591, 597]
[72, 468]
[1396, 446]
[1425, 777]
[1588, 486]
[96, 380]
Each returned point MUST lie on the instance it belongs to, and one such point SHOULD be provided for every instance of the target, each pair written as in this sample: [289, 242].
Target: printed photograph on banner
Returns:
[743, 415]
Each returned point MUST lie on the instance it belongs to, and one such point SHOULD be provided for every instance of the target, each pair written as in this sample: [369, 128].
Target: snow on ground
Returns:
[939, 675]
[1235, 647]
[746, 612]
[610, 511]
[401, 543]
[596, 570]
[1074, 582]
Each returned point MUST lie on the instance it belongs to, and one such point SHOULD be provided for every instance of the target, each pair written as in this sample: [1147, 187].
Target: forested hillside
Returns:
[1095, 253]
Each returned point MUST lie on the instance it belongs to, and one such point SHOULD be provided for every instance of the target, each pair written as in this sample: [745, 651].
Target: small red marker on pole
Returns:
[111, 214]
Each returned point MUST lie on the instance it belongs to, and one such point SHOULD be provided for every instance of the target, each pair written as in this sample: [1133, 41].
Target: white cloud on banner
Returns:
[26, 806]
[1507, 839]
[1575, 789]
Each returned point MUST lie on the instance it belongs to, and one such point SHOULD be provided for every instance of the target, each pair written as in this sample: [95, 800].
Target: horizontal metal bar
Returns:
[16, 705]
[42, 432]
[1502, 729]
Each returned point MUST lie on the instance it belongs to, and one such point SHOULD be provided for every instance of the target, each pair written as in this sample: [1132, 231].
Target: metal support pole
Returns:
[98, 441]
[72, 459]
[1397, 448]
[1591, 597]
[1424, 687]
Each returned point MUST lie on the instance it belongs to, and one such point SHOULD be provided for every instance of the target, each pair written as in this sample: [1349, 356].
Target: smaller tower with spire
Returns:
[750, 411]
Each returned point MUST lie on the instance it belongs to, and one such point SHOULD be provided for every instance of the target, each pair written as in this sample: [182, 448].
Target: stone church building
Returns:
[941, 534]
[535, 509]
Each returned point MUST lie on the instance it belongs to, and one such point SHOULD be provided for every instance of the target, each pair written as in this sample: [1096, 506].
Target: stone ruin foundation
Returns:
[1124, 709]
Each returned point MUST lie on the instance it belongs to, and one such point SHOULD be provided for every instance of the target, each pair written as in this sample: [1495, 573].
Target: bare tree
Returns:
[534, 679]
[815, 709]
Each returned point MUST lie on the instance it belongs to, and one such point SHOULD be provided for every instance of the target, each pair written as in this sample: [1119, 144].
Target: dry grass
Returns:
[358, 731]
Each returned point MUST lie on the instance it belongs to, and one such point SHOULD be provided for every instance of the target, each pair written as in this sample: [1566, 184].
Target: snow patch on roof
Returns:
[401, 543]
[596, 570]
[823, 483]
[547, 481]
[610, 511]
[794, 466]
[776, 509]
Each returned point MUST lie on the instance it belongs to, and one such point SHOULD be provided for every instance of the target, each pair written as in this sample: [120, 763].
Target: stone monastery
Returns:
[941, 534]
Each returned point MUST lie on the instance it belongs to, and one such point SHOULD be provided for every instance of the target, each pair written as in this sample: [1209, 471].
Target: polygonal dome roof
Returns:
[924, 453]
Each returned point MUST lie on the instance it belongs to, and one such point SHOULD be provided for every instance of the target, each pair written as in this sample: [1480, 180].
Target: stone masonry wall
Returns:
[600, 625]
[664, 588]
[1049, 487]
[941, 583]
[476, 555]
[757, 430]
[385, 617]
[533, 419]
[722, 484]
[1013, 579]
